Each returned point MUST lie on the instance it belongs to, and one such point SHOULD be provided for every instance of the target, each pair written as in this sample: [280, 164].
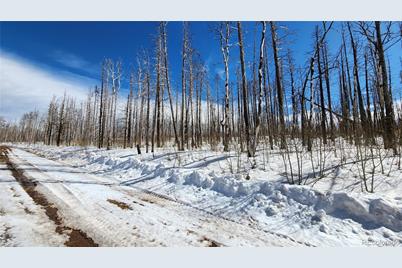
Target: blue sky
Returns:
[70, 53]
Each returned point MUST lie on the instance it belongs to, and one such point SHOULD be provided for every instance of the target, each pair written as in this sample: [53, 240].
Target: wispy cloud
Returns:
[73, 61]
[25, 86]
[220, 71]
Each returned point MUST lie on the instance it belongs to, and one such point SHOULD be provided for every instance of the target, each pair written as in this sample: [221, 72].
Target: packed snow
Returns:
[112, 214]
[22, 223]
[331, 211]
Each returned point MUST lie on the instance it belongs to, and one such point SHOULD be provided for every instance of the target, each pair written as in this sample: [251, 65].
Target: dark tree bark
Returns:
[244, 89]
[224, 35]
[389, 124]
[356, 80]
[260, 88]
[321, 88]
[279, 87]
[165, 55]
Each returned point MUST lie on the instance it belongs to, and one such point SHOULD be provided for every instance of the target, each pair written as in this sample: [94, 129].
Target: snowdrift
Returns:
[370, 211]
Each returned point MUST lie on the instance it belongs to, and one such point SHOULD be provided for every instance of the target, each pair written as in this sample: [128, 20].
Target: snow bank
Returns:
[370, 213]
[227, 185]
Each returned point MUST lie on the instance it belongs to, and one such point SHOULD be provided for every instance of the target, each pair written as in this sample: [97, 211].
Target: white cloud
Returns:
[25, 86]
[221, 72]
[74, 61]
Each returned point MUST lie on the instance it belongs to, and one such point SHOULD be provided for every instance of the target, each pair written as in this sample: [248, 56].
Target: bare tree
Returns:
[260, 88]
[224, 36]
[279, 87]
[165, 61]
[244, 90]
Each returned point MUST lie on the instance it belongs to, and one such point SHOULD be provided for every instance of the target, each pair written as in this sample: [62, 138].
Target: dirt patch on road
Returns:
[120, 204]
[77, 238]
[210, 242]
[153, 200]
[205, 240]
[3, 153]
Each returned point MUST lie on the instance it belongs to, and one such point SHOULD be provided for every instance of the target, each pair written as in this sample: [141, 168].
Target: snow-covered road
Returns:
[107, 212]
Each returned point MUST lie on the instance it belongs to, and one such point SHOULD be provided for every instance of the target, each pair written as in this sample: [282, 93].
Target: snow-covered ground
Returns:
[22, 223]
[219, 198]
[116, 215]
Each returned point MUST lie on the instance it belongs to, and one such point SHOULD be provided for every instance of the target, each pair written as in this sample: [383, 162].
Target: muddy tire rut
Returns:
[76, 237]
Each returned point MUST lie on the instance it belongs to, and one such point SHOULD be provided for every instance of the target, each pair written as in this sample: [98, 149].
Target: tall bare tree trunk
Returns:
[279, 88]
[356, 80]
[224, 33]
[321, 88]
[244, 90]
[165, 55]
[260, 88]
[183, 86]
[389, 124]
[61, 121]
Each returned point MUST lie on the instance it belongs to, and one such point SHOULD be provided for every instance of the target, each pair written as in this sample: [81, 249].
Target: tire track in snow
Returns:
[92, 219]
[211, 214]
[76, 237]
[118, 186]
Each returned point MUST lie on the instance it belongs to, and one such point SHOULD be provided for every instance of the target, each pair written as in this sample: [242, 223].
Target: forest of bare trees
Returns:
[345, 95]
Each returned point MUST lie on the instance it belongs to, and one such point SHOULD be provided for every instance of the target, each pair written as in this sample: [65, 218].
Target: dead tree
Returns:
[102, 107]
[148, 84]
[244, 90]
[224, 35]
[165, 61]
[389, 124]
[260, 88]
[183, 86]
[61, 121]
[51, 120]
[377, 39]
[356, 80]
[321, 88]
[279, 87]
[328, 87]
[309, 77]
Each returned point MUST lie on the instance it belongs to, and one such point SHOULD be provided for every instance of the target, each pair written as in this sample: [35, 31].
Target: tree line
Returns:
[348, 94]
